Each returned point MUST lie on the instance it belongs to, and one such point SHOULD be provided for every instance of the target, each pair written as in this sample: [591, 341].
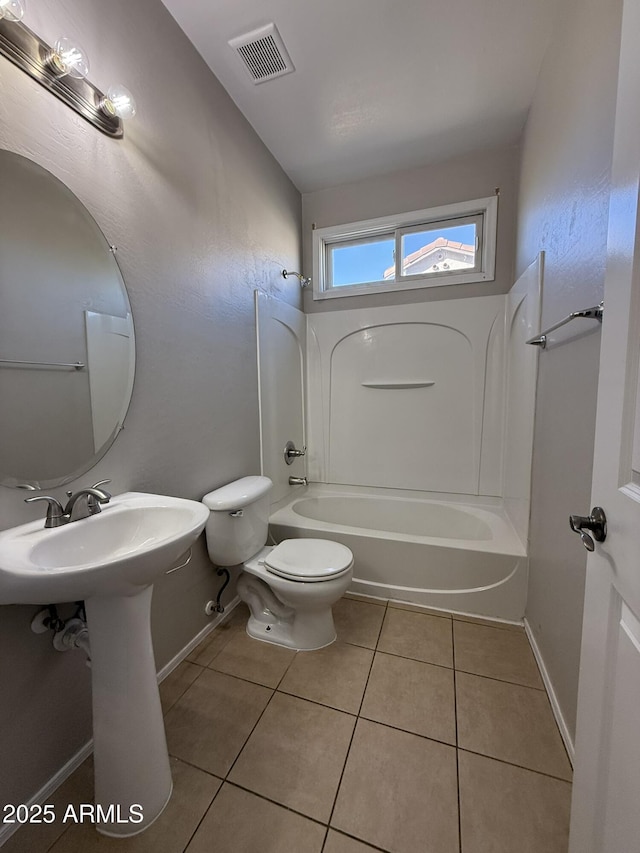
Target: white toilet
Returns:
[290, 587]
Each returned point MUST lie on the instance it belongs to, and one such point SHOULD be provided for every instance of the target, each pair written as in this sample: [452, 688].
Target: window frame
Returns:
[398, 225]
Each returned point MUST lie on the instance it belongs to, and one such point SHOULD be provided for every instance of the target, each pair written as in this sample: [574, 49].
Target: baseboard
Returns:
[49, 787]
[76, 760]
[555, 705]
[168, 668]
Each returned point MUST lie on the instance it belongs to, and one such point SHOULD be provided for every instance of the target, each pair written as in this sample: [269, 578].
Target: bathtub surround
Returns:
[201, 215]
[420, 423]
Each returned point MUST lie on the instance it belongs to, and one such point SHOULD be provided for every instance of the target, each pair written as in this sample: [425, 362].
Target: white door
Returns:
[606, 798]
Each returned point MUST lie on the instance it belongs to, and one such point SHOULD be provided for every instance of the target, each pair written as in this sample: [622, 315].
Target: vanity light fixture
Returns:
[118, 102]
[304, 281]
[62, 70]
[67, 57]
[11, 10]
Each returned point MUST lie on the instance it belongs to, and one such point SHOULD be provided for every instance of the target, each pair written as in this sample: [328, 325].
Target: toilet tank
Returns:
[238, 520]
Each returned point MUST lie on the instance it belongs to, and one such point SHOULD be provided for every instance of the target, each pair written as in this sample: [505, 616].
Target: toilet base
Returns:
[281, 634]
[304, 627]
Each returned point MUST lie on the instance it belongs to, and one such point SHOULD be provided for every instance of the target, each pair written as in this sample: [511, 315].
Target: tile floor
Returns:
[413, 733]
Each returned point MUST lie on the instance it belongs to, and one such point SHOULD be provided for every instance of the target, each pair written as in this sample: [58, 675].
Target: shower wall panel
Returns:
[409, 397]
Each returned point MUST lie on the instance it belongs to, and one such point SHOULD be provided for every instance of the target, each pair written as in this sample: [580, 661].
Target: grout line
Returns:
[417, 660]
[455, 720]
[408, 732]
[205, 813]
[502, 680]
[233, 763]
[514, 764]
[346, 757]
[191, 683]
[273, 802]
[359, 840]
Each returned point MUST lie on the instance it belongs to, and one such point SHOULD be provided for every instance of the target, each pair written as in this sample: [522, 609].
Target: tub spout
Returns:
[298, 481]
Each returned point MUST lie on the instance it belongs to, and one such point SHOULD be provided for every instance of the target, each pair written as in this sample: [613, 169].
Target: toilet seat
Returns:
[308, 560]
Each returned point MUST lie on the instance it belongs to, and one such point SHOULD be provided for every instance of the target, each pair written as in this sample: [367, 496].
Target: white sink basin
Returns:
[135, 538]
[111, 561]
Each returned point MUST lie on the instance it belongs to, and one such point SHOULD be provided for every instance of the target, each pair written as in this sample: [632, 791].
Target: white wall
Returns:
[563, 207]
[472, 176]
[202, 215]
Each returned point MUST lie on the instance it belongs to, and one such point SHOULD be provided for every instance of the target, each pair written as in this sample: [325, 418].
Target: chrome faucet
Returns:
[55, 513]
[298, 481]
[86, 502]
[82, 504]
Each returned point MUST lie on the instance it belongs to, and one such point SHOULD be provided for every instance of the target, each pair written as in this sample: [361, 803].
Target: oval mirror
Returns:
[67, 349]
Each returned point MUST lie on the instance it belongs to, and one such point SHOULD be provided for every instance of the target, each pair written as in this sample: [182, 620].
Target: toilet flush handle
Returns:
[237, 514]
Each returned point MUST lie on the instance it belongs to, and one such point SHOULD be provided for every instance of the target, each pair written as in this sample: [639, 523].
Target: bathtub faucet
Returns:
[298, 481]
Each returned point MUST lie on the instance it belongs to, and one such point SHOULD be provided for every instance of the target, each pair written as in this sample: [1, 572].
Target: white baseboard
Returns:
[76, 760]
[191, 645]
[555, 705]
[49, 787]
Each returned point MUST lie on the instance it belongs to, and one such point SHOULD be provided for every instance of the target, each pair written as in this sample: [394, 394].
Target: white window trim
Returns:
[322, 237]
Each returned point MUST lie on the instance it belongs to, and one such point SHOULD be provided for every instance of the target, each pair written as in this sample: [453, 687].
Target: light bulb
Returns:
[12, 10]
[68, 58]
[118, 102]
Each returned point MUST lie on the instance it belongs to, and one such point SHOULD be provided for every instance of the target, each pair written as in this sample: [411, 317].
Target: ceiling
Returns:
[379, 85]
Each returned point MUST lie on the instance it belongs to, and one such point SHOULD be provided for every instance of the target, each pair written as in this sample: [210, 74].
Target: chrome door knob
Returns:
[596, 523]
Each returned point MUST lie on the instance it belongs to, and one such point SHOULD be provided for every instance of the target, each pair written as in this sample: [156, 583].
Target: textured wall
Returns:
[563, 208]
[465, 178]
[201, 215]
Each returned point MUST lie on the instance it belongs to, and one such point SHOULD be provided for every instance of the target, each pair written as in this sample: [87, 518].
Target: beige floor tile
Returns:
[339, 843]
[358, 622]
[240, 821]
[175, 684]
[399, 791]
[411, 695]
[213, 644]
[495, 653]
[335, 676]
[244, 657]
[505, 808]
[210, 723]
[38, 837]
[193, 792]
[296, 754]
[509, 722]
[491, 623]
[417, 608]
[418, 636]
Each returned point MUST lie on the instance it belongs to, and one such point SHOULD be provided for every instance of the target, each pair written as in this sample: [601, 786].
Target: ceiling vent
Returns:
[263, 54]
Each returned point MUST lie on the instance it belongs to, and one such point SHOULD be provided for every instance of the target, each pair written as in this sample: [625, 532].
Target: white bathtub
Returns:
[449, 552]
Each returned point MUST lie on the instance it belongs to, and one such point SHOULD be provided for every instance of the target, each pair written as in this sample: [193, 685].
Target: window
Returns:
[454, 244]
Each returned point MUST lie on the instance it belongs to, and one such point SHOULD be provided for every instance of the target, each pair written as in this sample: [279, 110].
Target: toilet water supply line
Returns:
[212, 607]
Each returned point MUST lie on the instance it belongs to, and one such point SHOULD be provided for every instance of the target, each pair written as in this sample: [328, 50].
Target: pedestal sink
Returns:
[111, 561]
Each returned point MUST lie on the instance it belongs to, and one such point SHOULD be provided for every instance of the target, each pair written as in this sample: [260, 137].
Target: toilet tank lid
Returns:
[238, 494]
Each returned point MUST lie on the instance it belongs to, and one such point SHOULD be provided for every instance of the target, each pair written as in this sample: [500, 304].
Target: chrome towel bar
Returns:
[77, 365]
[594, 313]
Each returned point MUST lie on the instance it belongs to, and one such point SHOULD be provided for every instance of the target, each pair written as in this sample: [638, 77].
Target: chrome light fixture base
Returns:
[27, 50]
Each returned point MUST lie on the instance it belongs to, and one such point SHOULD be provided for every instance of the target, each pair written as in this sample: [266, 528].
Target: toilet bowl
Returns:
[289, 588]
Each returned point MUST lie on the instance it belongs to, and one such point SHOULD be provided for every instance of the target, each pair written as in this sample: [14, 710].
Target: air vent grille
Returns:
[263, 54]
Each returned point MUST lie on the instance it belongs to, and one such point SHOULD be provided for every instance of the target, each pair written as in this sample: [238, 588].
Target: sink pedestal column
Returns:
[130, 747]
